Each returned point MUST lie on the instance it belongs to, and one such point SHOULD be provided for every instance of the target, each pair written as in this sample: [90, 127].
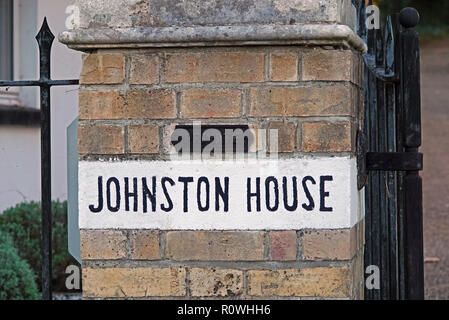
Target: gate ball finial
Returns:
[409, 17]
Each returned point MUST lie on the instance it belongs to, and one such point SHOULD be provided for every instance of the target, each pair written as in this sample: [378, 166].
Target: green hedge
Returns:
[23, 224]
[17, 280]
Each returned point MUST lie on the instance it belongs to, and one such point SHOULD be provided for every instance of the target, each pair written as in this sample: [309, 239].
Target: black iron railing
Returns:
[45, 40]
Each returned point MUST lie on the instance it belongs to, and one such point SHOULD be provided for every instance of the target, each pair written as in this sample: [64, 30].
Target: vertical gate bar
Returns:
[384, 243]
[375, 216]
[374, 232]
[400, 148]
[368, 199]
[362, 32]
[391, 147]
[413, 182]
[45, 40]
[369, 192]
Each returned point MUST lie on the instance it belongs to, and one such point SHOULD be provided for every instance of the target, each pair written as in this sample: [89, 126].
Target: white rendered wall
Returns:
[19, 165]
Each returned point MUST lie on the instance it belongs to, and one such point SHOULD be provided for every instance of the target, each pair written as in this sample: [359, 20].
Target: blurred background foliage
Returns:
[434, 14]
[22, 224]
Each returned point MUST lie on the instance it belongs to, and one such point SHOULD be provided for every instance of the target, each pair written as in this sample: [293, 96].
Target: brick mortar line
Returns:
[296, 144]
[224, 264]
[300, 57]
[299, 234]
[245, 283]
[167, 122]
[243, 50]
[178, 104]
[299, 136]
[160, 131]
[127, 69]
[128, 243]
[187, 283]
[245, 103]
[259, 48]
[267, 67]
[267, 247]
[126, 139]
[240, 120]
[219, 85]
[215, 231]
[166, 157]
[162, 243]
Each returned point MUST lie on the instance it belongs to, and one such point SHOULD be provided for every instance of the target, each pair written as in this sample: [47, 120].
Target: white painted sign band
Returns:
[219, 195]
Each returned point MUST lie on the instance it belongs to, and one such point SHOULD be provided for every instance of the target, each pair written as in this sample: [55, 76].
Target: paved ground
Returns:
[435, 118]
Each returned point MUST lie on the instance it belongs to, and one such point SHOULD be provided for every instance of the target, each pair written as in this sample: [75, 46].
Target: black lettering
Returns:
[185, 181]
[167, 196]
[131, 194]
[276, 193]
[100, 197]
[294, 206]
[324, 194]
[117, 194]
[311, 205]
[250, 195]
[223, 194]
[205, 181]
[147, 194]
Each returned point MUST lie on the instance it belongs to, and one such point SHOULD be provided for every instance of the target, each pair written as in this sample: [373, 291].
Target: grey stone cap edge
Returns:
[141, 37]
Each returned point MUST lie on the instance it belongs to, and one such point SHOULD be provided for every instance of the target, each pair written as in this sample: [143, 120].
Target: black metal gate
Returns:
[389, 145]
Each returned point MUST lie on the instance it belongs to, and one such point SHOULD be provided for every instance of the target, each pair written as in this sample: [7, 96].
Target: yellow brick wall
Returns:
[129, 103]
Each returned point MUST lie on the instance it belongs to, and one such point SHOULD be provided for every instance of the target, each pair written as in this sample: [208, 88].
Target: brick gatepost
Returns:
[293, 66]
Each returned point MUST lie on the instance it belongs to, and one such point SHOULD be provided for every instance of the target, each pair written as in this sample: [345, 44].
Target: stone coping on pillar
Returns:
[141, 37]
[99, 24]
